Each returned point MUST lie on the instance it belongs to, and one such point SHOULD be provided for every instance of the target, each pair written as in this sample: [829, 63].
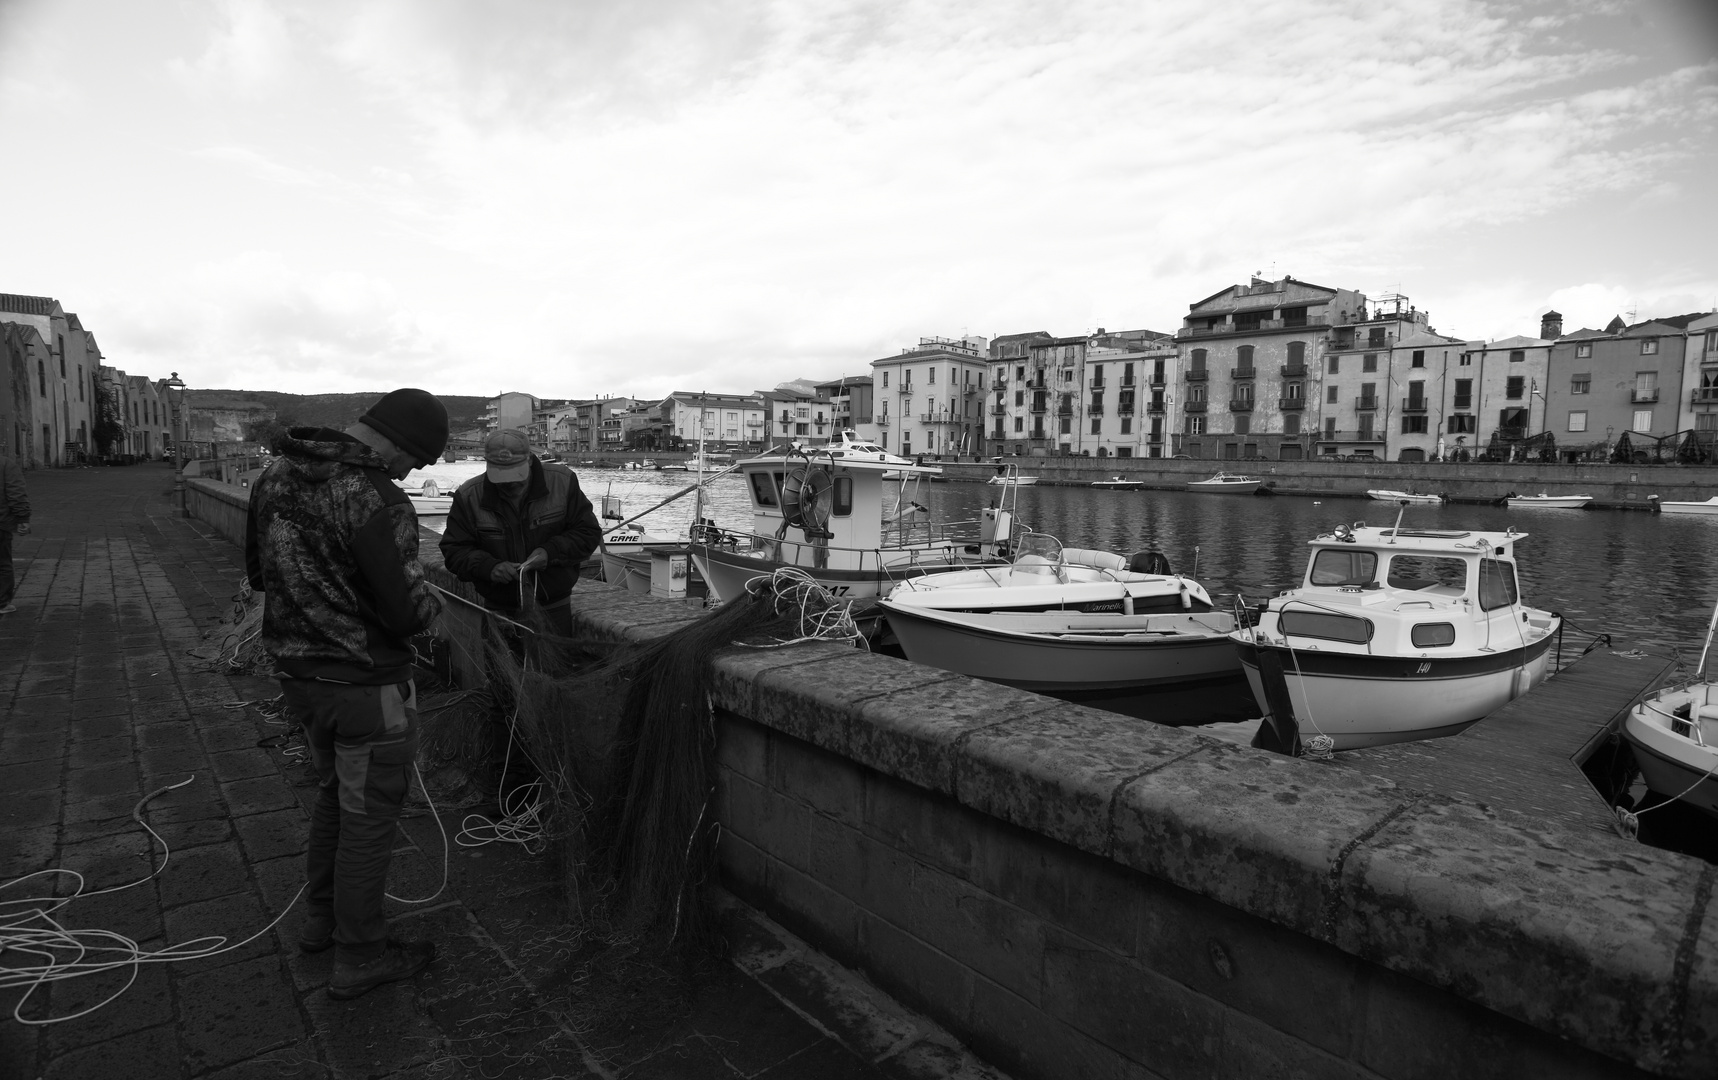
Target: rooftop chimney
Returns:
[1551, 325]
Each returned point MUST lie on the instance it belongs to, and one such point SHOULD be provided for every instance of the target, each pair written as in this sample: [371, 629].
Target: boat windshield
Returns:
[1425, 571]
[1041, 546]
[1333, 566]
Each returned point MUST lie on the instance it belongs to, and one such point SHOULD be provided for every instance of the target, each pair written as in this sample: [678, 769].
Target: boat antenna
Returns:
[1397, 530]
[1196, 560]
[1707, 647]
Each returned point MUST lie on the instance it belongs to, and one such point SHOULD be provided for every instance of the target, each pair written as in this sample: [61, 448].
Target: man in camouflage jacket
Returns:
[332, 542]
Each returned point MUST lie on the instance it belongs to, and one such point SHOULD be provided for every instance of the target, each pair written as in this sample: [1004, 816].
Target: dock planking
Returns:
[1526, 756]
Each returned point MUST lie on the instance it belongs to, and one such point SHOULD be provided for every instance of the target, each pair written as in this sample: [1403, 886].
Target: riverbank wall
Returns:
[1611, 486]
[1077, 894]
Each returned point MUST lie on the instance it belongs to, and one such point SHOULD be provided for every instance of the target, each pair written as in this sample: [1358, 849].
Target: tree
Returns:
[265, 432]
[109, 430]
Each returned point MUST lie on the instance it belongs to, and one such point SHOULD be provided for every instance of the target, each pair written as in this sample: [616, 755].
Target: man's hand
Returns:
[535, 561]
[504, 572]
[24, 529]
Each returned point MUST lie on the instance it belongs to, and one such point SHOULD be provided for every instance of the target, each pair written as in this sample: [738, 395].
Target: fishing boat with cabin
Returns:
[1396, 634]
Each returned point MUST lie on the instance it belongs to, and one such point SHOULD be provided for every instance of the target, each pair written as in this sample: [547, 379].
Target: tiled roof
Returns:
[17, 304]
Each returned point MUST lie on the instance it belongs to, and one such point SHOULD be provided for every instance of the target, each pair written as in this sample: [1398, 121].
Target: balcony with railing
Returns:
[1241, 404]
[1639, 396]
[1124, 408]
[1064, 410]
[1294, 371]
[1095, 410]
[1040, 407]
[1414, 405]
[1366, 403]
[1341, 435]
[999, 382]
[883, 420]
[1194, 406]
[999, 410]
[1244, 373]
[1198, 375]
[939, 418]
[1705, 395]
[1461, 401]
[1127, 380]
[1097, 382]
[1157, 380]
[1156, 405]
[1290, 404]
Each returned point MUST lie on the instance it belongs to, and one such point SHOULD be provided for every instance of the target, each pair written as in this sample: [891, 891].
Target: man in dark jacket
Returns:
[519, 531]
[14, 517]
[332, 542]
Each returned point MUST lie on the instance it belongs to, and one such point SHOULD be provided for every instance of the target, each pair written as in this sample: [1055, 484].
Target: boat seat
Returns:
[1097, 560]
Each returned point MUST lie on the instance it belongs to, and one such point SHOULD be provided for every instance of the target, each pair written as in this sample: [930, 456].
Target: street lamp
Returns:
[176, 394]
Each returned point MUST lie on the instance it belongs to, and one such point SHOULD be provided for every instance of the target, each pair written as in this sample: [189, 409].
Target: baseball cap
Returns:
[508, 453]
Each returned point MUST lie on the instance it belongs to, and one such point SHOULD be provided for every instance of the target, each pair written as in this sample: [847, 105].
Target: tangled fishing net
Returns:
[237, 648]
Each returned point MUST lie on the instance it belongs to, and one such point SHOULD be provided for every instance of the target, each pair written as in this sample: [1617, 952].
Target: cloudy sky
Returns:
[578, 198]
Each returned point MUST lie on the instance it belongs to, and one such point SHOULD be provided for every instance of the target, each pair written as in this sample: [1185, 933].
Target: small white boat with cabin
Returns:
[1709, 508]
[1119, 483]
[1413, 497]
[1674, 734]
[1543, 501]
[833, 514]
[712, 461]
[1061, 619]
[1398, 634]
[1226, 484]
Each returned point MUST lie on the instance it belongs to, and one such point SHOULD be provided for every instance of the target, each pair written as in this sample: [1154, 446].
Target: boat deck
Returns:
[1526, 756]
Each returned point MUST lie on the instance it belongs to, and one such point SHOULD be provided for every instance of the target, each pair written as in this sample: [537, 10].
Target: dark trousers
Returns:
[362, 740]
[7, 585]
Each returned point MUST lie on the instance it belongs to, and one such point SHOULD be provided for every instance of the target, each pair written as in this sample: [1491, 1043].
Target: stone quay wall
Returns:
[1078, 894]
[1609, 485]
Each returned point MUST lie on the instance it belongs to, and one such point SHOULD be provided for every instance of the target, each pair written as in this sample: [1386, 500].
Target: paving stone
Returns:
[257, 796]
[236, 918]
[93, 702]
[229, 735]
[372, 1036]
[243, 764]
[203, 873]
[146, 1003]
[23, 778]
[273, 834]
[103, 781]
[100, 753]
[92, 728]
[295, 1062]
[144, 1055]
[235, 1012]
[47, 746]
[24, 851]
[152, 737]
[106, 861]
[23, 810]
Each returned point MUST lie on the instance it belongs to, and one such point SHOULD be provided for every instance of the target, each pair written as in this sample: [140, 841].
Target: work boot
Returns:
[401, 960]
[317, 933]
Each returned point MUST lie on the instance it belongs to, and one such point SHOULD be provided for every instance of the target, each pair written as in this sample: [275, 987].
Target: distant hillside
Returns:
[328, 410]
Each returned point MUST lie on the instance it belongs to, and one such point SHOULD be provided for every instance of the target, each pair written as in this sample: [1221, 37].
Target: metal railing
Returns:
[1244, 373]
[1366, 403]
[1294, 371]
[1240, 404]
[1197, 375]
[1643, 397]
[1292, 403]
[1194, 406]
[1414, 405]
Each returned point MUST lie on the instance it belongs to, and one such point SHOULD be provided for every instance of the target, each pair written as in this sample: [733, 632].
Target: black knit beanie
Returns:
[414, 420]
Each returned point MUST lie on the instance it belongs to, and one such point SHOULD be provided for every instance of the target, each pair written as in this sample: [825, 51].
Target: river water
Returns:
[1648, 580]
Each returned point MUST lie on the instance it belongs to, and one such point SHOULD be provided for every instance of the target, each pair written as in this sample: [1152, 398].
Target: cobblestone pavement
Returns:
[102, 702]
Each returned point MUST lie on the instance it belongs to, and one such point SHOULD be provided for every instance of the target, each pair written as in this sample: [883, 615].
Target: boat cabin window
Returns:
[1333, 566]
[1432, 634]
[1496, 584]
[764, 488]
[1317, 624]
[1425, 571]
[843, 496]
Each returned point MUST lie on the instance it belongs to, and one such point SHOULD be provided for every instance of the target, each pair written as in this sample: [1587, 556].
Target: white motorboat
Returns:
[1387, 495]
[1674, 734]
[427, 499]
[627, 553]
[1707, 508]
[1226, 484]
[1119, 483]
[1398, 634]
[1547, 502]
[1065, 619]
[835, 517]
[714, 461]
[1009, 476]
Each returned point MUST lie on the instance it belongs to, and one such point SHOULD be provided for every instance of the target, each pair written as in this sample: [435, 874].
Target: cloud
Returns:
[249, 47]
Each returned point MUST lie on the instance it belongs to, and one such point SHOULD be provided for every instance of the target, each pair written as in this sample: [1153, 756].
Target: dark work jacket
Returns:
[483, 530]
[333, 542]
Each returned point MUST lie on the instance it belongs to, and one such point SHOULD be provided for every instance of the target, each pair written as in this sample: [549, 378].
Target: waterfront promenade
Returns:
[104, 698]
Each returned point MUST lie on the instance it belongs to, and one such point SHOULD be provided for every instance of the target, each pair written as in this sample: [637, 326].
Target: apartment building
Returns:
[851, 401]
[58, 358]
[725, 421]
[1505, 382]
[513, 409]
[930, 397]
[1651, 379]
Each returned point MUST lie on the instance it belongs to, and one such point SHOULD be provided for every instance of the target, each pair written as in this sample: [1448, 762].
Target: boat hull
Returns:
[1060, 652]
[1383, 495]
[1018, 481]
[1672, 766]
[727, 571]
[1709, 508]
[1550, 502]
[1209, 488]
[1371, 700]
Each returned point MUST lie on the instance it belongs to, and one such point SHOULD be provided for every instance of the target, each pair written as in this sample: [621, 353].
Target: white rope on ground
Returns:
[28, 926]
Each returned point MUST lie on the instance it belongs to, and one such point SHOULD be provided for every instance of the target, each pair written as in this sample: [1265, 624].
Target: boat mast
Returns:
[698, 502]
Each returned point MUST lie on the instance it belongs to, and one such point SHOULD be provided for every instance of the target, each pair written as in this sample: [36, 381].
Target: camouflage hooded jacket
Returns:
[334, 544]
